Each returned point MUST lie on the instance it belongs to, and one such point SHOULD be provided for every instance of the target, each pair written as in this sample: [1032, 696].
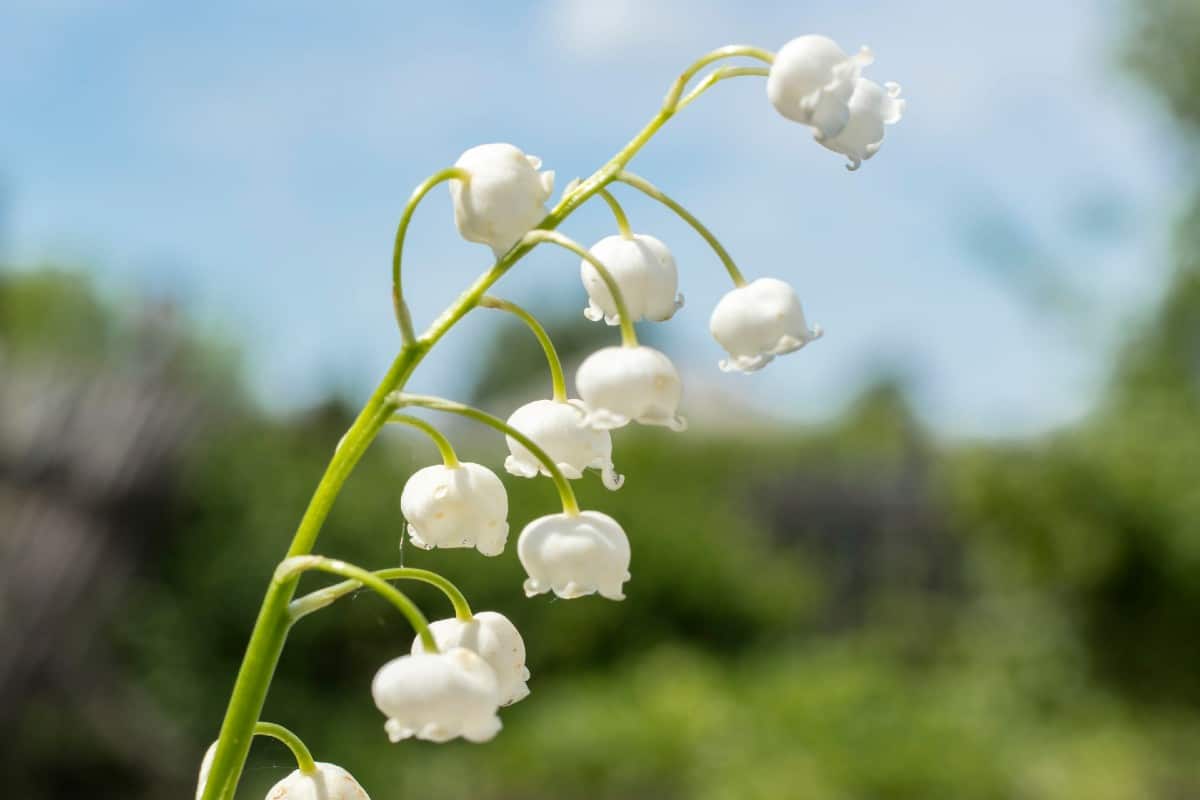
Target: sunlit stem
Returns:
[304, 759]
[403, 316]
[291, 568]
[565, 492]
[646, 187]
[449, 457]
[715, 77]
[731, 51]
[557, 380]
[315, 601]
[628, 335]
[618, 213]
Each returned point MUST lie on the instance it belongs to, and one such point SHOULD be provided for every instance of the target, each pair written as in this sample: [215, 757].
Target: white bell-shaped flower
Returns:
[811, 81]
[559, 428]
[329, 782]
[504, 197]
[438, 696]
[871, 108]
[645, 271]
[493, 638]
[575, 556]
[462, 506]
[758, 321]
[620, 384]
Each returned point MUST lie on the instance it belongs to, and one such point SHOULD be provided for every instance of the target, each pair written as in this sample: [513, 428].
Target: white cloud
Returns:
[608, 29]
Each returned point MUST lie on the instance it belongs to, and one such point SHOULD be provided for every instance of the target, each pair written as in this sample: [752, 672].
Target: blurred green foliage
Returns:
[859, 611]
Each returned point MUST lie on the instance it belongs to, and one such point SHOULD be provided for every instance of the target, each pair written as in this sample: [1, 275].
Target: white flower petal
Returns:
[205, 768]
[504, 198]
[329, 782]
[645, 271]
[494, 639]
[559, 428]
[574, 556]
[871, 107]
[619, 384]
[463, 506]
[811, 81]
[758, 321]
[438, 696]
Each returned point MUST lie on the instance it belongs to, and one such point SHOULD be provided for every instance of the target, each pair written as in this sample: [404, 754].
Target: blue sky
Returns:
[253, 162]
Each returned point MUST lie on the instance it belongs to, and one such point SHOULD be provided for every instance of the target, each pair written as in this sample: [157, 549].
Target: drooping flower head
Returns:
[438, 696]
[559, 429]
[460, 506]
[871, 108]
[811, 81]
[623, 384]
[493, 638]
[574, 556]
[758, 321]
[504, 197]
[645, 271]
[329, 782]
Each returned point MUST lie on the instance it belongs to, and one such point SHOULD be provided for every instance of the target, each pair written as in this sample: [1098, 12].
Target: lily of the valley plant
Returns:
[463, 670]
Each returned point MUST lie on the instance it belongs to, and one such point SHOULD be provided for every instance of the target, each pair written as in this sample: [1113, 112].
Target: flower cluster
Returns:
[460, 671]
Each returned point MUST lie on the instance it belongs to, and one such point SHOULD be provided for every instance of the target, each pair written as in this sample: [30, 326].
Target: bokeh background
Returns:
[950, 551]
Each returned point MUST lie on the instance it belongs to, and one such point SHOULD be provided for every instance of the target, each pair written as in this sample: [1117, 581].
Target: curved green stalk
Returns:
[314, 601]
[271, 626]
[730, 51]
[557, 380]
[618, 213]
[565, 492]
[715, 77]
[403, 316]
[648, 188]
[449, 457]
[628, 335]
[304, 759]
[291, 568]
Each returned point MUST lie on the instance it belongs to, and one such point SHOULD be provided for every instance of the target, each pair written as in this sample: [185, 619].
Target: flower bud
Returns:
[811, 81]
[438, 697]
[871, 107]
[559, 429]
[645, 272]
[619, 384]
[462, 506]
[574, 556]
[493, 638]
[758, 321]
[329, 782]
[504, 197]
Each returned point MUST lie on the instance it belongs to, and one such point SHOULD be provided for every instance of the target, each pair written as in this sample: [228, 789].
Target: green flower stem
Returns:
[565, 492]
[403, 316]
[449, 457]
[314, 601]
[646, 187]
[304, 759]
[715, 77]
[628, 335]
[557, 380]
[291, 568]
[271, 626]
[618, 213]
[730, 51]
